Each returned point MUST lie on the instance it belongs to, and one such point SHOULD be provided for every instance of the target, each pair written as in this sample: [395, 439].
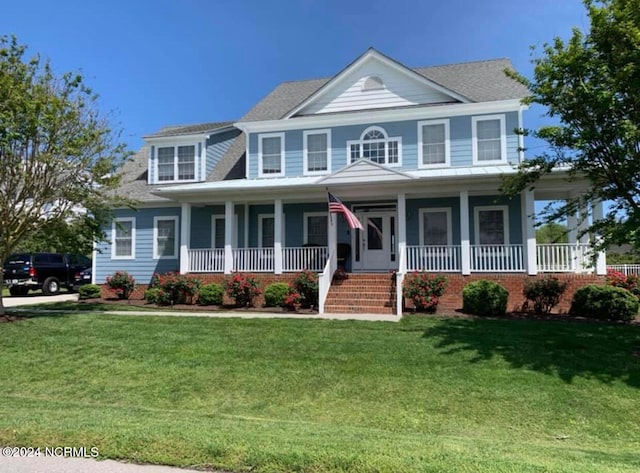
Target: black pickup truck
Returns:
[46, 271]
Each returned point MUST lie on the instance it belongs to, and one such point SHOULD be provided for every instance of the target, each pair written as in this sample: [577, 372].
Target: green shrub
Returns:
[275, 293]
[630, 282]
[484, 298]
[305, 283]
[424, 290]
[604, 302]
[156, 295]
[178, 288]
[210, 294]
[89, 291]
[122, 283]
[544, 294]
[242, 288]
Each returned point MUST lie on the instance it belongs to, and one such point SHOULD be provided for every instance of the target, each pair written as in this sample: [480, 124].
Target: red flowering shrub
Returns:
[291, 299]
[243, 288]
[629, 282]
[175, 288]
[122, 283]
[424, 290]
[305, 283]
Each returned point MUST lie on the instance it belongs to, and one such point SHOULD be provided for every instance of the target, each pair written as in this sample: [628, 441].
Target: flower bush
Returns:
[291, 299]
[243, 288]
[122, 283]
[305, 283]
[424, 290]
[544, 293]
[629, 282]
[155, 295]
[177, 288]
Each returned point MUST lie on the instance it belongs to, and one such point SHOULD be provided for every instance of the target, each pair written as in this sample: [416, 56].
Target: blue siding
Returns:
[460, 136]
[143, 266]
[217, 145]
[413, 217]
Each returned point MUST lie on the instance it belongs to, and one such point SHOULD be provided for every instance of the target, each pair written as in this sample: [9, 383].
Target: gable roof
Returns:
[197, 129]
[364, 170]
[479, 81]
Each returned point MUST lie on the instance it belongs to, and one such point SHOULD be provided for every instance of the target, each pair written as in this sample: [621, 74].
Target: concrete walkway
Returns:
[55, 464]
[11, 301]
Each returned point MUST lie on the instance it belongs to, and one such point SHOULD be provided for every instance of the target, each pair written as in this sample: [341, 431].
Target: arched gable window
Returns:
[372, 83]
[375, 145]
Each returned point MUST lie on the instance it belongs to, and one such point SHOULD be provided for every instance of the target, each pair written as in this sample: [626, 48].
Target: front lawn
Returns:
[426, 394]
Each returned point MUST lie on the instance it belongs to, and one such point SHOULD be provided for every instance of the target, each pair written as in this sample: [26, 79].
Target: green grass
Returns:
[74, 306]
[424, 395]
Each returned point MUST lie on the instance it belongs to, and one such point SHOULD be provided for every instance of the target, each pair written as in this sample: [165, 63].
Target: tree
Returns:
[58, 156]
[552, 232]
[591, 86]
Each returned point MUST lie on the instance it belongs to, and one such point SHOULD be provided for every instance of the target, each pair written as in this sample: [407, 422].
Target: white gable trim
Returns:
[367, 56]
[369, 169]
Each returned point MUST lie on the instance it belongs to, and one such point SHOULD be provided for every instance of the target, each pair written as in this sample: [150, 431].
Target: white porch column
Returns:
[402, 232]
[333, 239]
[583, 224]
[601, 258]
[465, 243]
[277, 236]
[572, 224]
[185, 237]
[228, 237]
[529, 231]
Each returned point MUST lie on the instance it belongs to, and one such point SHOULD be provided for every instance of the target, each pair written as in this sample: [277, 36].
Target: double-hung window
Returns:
[271, 154]
[489, 139]
[123, 238]
[165, 241]
[433, 143]
[315, 228]
[376, 146]
[176, 163]
[317, 152]
[435, 227]
[492, 225]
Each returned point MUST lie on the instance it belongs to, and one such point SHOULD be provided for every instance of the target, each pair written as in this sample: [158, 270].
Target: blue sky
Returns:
[163, 62]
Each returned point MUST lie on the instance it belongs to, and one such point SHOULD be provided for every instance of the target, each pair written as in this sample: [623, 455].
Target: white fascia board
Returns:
[379, 116]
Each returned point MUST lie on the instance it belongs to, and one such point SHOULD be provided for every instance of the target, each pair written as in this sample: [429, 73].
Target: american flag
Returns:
[335, 206]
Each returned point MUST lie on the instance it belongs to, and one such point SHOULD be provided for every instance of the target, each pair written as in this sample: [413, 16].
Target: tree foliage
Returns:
[591, 86]
[552, 232]
[58, 155]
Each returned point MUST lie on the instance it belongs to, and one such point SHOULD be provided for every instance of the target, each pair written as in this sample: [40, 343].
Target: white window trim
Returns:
[234, 237]
[447, 144]
[305, 156]
[175, 146]
[305, 225]
[474, 139]
[386, 140]
[273, 216]
[133, 237]
[447, 210]
[505, 219]
[262, 136]
[155, 237]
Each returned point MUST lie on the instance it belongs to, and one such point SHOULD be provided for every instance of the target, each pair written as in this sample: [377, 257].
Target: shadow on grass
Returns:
[606, 352]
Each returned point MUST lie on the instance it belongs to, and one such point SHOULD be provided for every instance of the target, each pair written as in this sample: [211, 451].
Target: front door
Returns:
[377, 242]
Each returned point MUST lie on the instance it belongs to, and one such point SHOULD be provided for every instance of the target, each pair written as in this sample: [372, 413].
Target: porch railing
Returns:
[312, 258]
[499, 258]
[626, 269]
[324, 282]
[207, 260]
[563, 257]
[255, 260]
[433, 258]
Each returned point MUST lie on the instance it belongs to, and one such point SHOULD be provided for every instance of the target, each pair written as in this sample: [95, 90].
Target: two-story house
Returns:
[416, 155]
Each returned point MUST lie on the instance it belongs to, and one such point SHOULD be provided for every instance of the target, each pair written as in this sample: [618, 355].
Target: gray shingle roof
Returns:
[200, 128]
[134, 179]
[480, 81]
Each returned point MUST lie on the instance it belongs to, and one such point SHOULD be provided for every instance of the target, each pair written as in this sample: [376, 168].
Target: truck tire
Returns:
[51, 287]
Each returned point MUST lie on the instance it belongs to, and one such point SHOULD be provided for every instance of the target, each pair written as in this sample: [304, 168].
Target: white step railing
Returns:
[206, 260]
[626, 269]
[255, 260]
[433, 258]
[312, 258]
[498, 258]
[563, 257]
[324, 282]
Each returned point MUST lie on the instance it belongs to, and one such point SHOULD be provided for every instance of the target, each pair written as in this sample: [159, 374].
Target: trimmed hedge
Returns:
[484, 298]
[604, 302]
[211, 294]
[275, 293]
[89, 291]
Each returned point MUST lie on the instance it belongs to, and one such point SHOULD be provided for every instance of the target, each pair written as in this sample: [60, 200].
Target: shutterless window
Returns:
[268, 238]
[218, 232]
[186, 162]
[317, 230]
[491, 227]
[435, 228]
[271, 155]
[433, 144]
[489, 140]
[317, 152]
[165, 164]
[166, 238]
[123, 238]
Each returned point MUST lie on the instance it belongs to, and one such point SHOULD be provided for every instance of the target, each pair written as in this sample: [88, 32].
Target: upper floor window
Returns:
[123, 238]
[433, 143]
[271, 155]
[317, 151]
[489, 139]
[376, 146]
[176, 163]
